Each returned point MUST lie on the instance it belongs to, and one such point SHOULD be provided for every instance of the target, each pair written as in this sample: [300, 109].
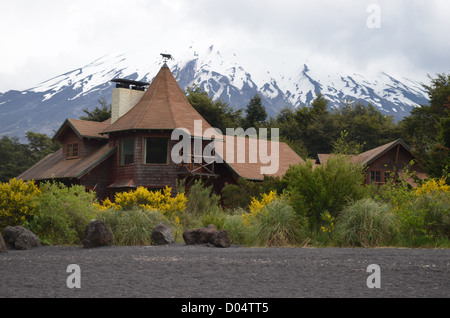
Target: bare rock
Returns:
[20, 237]
[97, 234]
[162, 234]
[207, 235]
[2, 245]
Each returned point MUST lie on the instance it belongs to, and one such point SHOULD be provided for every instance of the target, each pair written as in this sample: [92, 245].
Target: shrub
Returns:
[276, 225]
[62, 213]
[161, 200]
[423, 211]
[256, 206]
[17, 202]
[201, 199]
[328, 222]
[240, 195]
[427, 214]
[365, 223]
[328, 187]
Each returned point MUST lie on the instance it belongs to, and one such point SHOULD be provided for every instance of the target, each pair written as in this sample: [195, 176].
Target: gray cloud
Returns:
[44, 38]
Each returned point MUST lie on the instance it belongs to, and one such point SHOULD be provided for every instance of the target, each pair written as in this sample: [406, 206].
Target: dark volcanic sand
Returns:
[182, 271]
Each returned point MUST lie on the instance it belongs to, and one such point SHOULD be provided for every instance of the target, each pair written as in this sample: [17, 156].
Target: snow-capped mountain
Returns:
[218, 71]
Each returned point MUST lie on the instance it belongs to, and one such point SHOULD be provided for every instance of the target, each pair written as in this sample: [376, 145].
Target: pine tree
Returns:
[98, 114]
[256, 113]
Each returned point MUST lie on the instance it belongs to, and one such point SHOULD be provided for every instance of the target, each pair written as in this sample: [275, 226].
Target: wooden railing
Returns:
[198, 165]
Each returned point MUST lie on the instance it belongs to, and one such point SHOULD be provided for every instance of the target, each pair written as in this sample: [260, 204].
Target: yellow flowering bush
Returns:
[149, 200]
[256, 206]
[17, 201]
[423, 211]
[133, 214]
[433, 186]
[328, 221]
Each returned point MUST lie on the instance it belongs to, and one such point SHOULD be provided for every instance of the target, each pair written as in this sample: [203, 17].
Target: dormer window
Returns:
[72, 151]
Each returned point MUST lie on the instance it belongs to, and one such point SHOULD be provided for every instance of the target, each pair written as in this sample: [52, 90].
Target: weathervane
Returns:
[166, 57]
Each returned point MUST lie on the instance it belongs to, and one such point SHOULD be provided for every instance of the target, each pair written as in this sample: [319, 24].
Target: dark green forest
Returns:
[309, 130]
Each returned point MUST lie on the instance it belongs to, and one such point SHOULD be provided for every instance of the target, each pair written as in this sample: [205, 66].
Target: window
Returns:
[126, 147]
[377, 176]
[156, 150]
[72, 151]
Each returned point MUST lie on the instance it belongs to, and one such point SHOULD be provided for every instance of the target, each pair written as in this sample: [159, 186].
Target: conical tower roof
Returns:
[163, 107]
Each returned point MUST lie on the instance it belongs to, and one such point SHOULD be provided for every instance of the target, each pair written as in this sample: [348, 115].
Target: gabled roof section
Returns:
[252, 171]
[54, 166]
[370, 155]
[367, 157]
[163, 107]
[83, 128]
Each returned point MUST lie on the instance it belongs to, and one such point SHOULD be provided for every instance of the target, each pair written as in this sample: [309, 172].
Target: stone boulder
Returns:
[97, 234]
[2, 245]
[207, 235]
[20, 237]
[162, 234]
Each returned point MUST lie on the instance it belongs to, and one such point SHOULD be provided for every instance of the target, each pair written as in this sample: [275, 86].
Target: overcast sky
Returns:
[45, 38]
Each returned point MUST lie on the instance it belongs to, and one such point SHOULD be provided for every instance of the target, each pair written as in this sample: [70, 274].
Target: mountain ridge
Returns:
[219, 72]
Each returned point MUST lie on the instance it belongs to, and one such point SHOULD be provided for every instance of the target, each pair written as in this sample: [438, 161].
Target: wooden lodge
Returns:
[384, 162]
[134, 147]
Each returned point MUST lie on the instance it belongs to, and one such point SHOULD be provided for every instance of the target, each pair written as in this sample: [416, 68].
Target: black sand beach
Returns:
[180, 271]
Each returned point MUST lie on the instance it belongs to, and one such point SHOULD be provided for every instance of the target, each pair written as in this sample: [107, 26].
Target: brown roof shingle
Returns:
[163, 106]
[54, 166]
[252, 171]
[367, 156]
[370, 155]
[83, 128]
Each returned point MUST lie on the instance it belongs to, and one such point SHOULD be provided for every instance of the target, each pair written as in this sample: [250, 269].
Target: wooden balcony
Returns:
[199, 167]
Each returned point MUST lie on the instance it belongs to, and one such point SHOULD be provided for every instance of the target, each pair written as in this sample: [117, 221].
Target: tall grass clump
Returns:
[275, 225]
[365, 223]
[132, 227]
[236, 229]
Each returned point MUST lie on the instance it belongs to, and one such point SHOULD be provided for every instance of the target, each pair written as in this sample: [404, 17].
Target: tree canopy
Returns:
[99, 114]
[308, 130]
[17, 157]
[427, 128]
[217, 113]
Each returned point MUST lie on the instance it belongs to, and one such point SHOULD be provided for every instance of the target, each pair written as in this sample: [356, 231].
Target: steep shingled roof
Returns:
[370, 155]
[367, 156]
[54, 166]
[83, 128]
[163, 107]
[252, 171]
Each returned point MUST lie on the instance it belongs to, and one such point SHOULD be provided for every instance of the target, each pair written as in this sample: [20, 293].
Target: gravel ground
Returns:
[180, 271]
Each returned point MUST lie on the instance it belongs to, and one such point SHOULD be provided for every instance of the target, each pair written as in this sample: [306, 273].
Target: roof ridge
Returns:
[169, 102]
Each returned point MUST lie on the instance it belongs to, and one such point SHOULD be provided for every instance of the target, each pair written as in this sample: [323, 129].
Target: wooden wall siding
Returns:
[99, 179]
[71, 138]
[90, 145]
[226, 176]
[395, 159]
[151, 176]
